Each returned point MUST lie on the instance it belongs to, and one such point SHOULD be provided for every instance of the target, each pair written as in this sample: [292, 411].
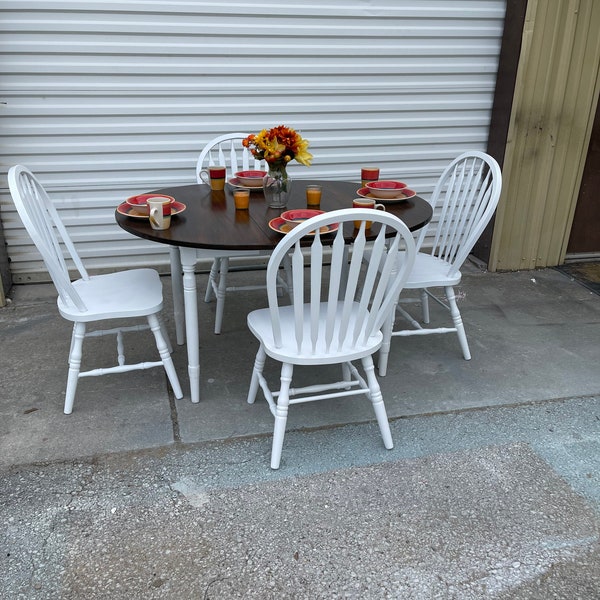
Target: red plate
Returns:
[252, 174]
[236, 183]
[140, 199]
[386, 184]
[297, 215]
[281, 226]
[403, 195]
[129, 210]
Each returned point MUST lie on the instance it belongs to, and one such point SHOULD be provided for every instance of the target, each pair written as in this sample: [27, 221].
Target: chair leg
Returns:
[376, 398]
[221, 291]
[165, 355]
[281, 413]
[384, 352]
[74, 365]
[165, 334]
[259, 363]
[214, 270]
[346, 372]
[458, 323]
[425, 305]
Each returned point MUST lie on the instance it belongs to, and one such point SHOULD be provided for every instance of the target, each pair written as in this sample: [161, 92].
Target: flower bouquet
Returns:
[277, 147]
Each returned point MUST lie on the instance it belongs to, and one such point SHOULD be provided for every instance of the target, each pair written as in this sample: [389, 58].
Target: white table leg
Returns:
[177, 291]
[190, 297]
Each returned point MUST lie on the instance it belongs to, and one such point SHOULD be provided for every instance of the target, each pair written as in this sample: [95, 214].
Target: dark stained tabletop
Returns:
[210, 220]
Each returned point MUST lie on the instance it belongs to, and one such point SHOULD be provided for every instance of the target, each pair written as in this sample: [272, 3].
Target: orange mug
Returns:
[366, 203]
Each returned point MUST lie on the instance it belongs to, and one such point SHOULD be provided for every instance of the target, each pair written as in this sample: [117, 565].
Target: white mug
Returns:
[159, 210]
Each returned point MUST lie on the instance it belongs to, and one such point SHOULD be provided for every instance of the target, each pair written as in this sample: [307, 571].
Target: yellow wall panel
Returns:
[554, 104]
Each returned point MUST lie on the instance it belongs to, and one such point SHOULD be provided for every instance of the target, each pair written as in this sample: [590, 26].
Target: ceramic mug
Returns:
[366, 203]
[159, 210]
[214, 176]
[368, 174]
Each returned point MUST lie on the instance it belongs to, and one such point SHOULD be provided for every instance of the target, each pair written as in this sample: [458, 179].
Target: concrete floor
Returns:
[492, 490]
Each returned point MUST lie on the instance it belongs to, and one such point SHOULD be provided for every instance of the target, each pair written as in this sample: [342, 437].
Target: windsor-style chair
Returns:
[122, 295]
[336, 314]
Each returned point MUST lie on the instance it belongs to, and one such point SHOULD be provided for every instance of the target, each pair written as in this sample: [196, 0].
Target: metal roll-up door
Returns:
[109, 98]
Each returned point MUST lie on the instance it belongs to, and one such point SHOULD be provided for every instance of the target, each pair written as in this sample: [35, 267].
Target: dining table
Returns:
[208, 225]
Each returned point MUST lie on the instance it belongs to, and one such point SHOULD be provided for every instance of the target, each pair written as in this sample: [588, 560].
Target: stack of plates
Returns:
[137, 208]
[403, 194]
[234, 182]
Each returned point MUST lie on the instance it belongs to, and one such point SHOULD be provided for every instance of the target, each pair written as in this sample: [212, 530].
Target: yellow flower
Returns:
[279, 144]
[273, 149]
[303, 156]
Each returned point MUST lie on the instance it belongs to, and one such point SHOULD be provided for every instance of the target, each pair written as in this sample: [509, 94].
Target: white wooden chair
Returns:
[334, 318]
[465, 198]
[122, 295]
[226, 150]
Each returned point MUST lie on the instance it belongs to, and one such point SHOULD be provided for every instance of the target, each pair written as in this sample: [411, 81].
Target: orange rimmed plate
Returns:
[140, 200]
[403, 195]
[282, 226]
[128, 210]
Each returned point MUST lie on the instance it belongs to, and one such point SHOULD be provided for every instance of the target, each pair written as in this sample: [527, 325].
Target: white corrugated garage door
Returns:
[108, 98]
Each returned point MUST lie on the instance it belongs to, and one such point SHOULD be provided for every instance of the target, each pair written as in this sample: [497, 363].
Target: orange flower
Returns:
[279, 145]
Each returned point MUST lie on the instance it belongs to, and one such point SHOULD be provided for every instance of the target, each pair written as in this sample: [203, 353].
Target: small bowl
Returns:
[299, 215]
[385, 188]
[139, 202]
[251, 178]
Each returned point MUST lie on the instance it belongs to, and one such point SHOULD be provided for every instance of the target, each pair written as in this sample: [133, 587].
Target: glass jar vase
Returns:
[277, 186]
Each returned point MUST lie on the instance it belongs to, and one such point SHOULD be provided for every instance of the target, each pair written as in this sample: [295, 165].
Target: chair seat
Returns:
[133, 293]
[431, 271]
[261, 325]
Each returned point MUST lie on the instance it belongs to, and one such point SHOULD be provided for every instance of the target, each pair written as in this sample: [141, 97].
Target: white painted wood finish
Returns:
[129, 294]
[224, 150]
[336, 315]
[228, 151]
[106, 99]
[466, 195]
